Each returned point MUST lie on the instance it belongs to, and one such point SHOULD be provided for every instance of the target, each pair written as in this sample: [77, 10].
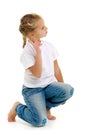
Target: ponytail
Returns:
[24, 41]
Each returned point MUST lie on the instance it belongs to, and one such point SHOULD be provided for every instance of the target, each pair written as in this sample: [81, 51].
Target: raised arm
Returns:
[36, 69]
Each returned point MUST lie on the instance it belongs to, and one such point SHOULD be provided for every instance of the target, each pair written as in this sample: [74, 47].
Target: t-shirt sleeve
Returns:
[27, 59]
[55, 53]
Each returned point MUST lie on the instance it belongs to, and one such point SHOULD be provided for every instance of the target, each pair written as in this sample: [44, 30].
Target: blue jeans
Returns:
[39, 99]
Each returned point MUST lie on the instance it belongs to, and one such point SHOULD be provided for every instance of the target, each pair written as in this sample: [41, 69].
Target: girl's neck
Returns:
[34, 40]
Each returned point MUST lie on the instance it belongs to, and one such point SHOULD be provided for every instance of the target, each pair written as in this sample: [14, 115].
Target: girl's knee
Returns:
[70, 91]
[40, 122]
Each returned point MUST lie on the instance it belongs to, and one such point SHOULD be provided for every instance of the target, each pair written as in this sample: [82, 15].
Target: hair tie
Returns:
[29, 24]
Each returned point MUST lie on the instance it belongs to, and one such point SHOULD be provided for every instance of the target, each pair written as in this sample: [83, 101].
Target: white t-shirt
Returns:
[49, 54]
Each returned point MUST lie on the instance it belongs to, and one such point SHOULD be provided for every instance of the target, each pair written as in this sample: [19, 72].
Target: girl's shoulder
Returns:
[28, 48]
[51, 46]
[48, 44]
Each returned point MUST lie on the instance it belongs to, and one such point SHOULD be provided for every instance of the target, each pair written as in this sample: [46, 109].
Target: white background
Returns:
[67, 24]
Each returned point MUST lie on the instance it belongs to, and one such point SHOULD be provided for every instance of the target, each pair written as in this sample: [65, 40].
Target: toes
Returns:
[11, 119]
[51, 117]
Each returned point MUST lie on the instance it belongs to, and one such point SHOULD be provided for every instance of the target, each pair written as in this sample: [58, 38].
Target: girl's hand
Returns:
[36, 45]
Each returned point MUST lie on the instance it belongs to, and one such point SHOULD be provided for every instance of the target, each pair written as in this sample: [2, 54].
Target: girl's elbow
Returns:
[37, 75]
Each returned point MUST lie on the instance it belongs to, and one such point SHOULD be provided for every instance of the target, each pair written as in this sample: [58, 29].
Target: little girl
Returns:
[43, 86]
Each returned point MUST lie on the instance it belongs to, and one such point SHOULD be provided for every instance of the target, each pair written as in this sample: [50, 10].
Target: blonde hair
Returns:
[28, 24]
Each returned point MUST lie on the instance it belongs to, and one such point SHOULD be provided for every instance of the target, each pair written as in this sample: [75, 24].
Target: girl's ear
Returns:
[30, 34]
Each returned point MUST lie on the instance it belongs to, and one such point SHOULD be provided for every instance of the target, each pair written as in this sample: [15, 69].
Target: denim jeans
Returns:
[39, 99]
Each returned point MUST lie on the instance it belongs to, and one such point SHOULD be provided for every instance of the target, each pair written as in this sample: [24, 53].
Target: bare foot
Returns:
[12, 114]
[49, 116]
